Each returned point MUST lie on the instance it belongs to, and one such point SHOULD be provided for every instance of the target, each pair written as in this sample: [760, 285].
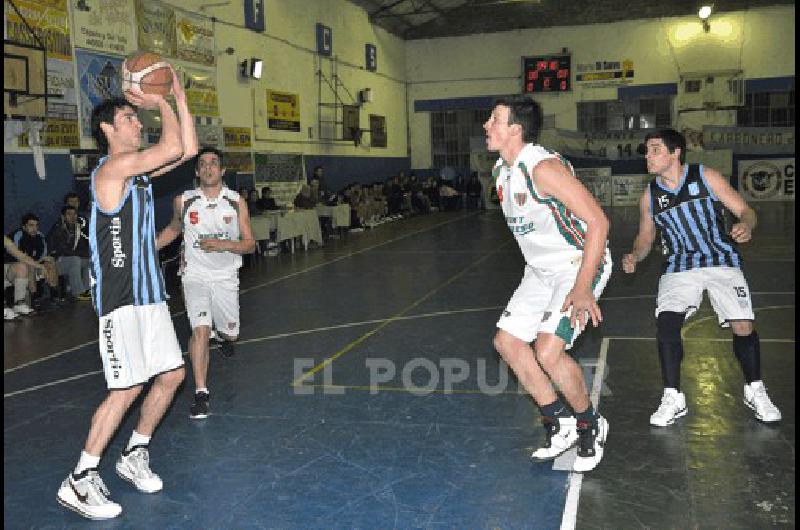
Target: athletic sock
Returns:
[199, 390]
[137, 439]
[747, 349]
[556, 409]
[588, 415]
[86, 461]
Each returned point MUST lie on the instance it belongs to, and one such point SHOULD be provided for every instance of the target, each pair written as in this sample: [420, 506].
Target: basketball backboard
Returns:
[24, 81]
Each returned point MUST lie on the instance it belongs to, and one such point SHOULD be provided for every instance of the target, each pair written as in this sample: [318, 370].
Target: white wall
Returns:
[760, 42]
[292, 65]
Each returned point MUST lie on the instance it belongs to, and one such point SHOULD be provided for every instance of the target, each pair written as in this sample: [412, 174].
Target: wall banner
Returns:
[156, 28]
[238, 161]
[598, 181]
[283, 111]
[237, 137]
[98, 79]
[201, 89]
[195, 39]
[750, 140]
[48, 19]
[628, 189]
[767, 180]
[104, 25]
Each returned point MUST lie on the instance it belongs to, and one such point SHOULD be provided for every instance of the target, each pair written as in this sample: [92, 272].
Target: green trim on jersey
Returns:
[571, 231]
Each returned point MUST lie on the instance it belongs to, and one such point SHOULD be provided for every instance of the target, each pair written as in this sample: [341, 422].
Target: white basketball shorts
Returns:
[213, 302]
[138, 343]
[535, 306]
[682, 292]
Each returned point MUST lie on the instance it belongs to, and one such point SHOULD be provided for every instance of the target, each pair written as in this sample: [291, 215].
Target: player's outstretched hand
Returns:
[741, 232]
[137, 98]
[584, 307]
[629, 263]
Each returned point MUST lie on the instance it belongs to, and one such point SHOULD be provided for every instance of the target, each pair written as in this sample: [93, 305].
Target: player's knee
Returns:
[173, 378]
[502, 342]
[668, 326]
[742, 328]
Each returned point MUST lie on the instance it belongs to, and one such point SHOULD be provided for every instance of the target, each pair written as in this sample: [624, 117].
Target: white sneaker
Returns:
[88, 496]
[561, 435]
[22, 309]
[134, 467]
[9, 314]
[755, 397]
[673, 406]
[591, 444]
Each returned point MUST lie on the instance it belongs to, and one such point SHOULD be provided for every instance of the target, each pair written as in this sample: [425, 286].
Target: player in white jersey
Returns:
[562, 232]
[216, 232]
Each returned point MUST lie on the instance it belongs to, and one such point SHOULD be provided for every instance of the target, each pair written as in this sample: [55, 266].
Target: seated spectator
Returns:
[69, 246]
[32, 242]
[431, 190]
[252, 203]
[16, 275]
[448, 196]
[474, 193]
[266, 202]
[303, 200]
[419, 201]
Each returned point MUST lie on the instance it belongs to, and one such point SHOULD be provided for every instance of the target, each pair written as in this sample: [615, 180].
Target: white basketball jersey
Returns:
[549, 234]
[205, 218]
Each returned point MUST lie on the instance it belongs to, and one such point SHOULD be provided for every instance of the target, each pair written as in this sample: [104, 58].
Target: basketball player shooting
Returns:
[137, 338]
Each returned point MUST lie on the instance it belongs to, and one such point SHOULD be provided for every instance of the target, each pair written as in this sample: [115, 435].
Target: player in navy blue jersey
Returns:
[137, 340]
[686, 203]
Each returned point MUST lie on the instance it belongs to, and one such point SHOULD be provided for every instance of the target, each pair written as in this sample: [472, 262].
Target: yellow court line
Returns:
[391, 319]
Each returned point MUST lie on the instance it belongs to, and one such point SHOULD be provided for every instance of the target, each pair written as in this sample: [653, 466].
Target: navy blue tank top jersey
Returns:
[692, 224]
[125, 266]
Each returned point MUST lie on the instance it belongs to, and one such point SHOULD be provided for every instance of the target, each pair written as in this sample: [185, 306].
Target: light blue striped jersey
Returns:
[125, 267]
[692, 224]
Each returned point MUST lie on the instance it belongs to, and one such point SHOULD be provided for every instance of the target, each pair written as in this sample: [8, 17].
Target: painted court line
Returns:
[575, 480]
[394, 318]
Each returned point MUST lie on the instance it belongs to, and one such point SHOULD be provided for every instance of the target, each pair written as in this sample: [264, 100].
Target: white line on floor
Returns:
[575, 480]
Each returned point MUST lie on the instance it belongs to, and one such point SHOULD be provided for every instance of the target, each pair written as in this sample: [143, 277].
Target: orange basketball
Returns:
[147, 71]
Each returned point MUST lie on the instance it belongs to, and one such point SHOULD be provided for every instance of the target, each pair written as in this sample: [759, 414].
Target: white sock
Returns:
[137, 439]
[86, 461]
[203, 389]
[20, 290]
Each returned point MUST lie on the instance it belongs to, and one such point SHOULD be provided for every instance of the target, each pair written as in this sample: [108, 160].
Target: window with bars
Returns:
[450, 134]
[767, 109]
[630, 114]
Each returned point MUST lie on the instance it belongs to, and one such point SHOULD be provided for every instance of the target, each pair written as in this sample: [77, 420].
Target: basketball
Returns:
[147, 71]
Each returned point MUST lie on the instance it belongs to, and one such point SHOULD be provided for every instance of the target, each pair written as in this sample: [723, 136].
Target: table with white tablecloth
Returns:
[287, 225]
[339, 214]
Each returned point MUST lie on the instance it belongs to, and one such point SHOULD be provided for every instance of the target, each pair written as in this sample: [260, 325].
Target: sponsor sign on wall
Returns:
[98, 80]
[104, 25]
[48, 20]
[767, 180]
[283, 111]
[598, 181]
[195, 39]
[156, 28]
[750, 140]
[628, 189]
[237, 137]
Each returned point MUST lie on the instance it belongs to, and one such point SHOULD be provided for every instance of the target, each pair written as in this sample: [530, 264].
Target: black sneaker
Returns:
[199, 408]
[226, 348]
[591, 444]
